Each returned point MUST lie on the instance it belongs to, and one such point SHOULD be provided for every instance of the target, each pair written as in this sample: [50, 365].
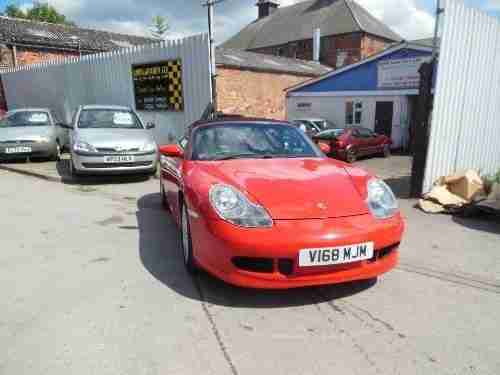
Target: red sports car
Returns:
[350, 143]
[259, 205]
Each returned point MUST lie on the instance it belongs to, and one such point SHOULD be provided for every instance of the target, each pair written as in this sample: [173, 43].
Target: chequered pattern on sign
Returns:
[176, 100]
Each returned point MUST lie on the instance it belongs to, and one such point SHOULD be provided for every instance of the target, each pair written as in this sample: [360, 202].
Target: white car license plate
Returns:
[119, 159]
[335, 255]
[17, 150]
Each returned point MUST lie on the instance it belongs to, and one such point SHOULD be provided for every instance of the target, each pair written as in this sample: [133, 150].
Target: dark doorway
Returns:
[383, 118]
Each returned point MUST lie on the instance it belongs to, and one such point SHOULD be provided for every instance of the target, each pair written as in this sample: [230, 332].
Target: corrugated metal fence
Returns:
[465, 130]
[106, 78]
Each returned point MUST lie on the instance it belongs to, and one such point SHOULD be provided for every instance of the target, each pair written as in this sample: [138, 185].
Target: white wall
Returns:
[333, 108]
[106, 78]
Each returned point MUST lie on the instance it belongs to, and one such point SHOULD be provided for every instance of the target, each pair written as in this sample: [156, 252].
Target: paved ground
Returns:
[92, 282]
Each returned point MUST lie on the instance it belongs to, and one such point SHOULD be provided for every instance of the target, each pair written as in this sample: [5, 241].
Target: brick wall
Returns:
[26, 56]
[349, 47]
[254, 94]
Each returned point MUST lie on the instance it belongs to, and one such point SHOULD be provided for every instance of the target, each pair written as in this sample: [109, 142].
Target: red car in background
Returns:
[350, 143]
[259, 205]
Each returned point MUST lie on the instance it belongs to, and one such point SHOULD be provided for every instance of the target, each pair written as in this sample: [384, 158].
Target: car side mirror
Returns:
[326, 149]
[173, 151]
[150, 125]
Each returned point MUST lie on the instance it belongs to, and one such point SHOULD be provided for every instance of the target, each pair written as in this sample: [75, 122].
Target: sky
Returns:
[412, 19]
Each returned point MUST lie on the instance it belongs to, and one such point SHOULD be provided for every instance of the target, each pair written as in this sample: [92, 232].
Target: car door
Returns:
[359, 142]
[171, 177]
[371, 140]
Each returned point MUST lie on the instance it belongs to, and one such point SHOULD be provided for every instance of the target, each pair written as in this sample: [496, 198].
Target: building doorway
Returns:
[384, 113]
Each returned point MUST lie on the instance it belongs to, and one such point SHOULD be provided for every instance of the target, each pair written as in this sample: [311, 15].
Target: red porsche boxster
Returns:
[259, 205]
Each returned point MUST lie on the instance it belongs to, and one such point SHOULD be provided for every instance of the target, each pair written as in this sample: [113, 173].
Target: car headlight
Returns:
[381, 200]
[233, 206]
[83, 146]
[149, 147]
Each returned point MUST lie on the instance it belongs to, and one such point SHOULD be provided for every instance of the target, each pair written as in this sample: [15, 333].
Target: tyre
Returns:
[187, 243]
[351, 156]
[57, 153]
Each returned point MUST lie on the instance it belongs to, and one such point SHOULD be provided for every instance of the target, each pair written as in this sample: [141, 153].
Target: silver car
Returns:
[111, 140]
[32, 132]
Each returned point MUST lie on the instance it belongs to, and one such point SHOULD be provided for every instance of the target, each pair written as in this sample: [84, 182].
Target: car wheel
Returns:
[57, 153]
[386, 151]
[187, 244]
[351, 156]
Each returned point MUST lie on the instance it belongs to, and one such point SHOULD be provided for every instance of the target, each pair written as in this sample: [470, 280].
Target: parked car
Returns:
[259, 205]
[111, 140]
[317, 123]
[350, 143]
[33, 133]
[307, 127]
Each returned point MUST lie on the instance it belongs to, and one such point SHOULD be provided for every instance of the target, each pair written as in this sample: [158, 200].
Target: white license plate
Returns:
[17, 150]
[119, 159]
[335, 255]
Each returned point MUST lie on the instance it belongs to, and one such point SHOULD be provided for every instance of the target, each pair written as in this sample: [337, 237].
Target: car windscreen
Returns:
[324, 124]
[252, 141]
[25, 118]
[108, 119]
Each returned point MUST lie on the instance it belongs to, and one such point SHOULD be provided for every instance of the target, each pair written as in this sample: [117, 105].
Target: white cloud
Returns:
[492, 5]
[403, 16]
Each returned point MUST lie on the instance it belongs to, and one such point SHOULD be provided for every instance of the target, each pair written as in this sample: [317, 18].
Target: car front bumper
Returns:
[143, 163]
[42, 150]
[218, 245]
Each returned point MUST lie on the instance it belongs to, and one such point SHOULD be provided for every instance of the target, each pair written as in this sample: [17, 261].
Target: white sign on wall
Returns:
[400, 73]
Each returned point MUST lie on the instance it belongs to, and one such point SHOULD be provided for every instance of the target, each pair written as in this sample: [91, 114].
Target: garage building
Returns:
[378, 93]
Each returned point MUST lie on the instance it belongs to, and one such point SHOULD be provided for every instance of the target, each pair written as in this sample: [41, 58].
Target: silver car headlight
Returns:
[381, 200]
[233, 206]
[83, 146]
[149, 147]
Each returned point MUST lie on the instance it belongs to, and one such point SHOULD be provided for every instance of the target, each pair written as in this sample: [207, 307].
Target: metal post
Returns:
[210, 4]
[439, 10]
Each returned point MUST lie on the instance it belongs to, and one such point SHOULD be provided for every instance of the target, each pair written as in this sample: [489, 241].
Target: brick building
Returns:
[252, 84]
[348, 32]
[24, 42]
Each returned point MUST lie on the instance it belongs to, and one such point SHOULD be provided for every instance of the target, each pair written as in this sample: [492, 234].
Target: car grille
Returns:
[117, 165]
[112, 150]
[260, 265]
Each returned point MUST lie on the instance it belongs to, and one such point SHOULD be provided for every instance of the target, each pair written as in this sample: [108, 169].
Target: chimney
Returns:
[316, 44]
[267, 7]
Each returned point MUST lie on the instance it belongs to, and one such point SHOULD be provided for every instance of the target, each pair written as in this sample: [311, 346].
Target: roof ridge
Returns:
[69, 27]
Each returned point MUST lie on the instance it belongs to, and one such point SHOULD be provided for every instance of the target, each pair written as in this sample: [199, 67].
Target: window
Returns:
[341, 59]
[353, 112]
[365, 133]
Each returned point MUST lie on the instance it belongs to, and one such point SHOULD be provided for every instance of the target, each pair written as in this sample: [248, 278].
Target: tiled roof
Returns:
[257, 61]
[27, 32]
[296, 22]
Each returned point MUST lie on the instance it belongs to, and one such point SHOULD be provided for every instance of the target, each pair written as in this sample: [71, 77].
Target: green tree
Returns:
[42, 12]
[159, 27]
[14, 11]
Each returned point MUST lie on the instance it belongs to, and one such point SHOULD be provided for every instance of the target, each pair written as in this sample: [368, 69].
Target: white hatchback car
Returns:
[111, 140]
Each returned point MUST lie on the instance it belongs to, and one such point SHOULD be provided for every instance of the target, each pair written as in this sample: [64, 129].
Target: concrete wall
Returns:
[333, 108]
[254, 94]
